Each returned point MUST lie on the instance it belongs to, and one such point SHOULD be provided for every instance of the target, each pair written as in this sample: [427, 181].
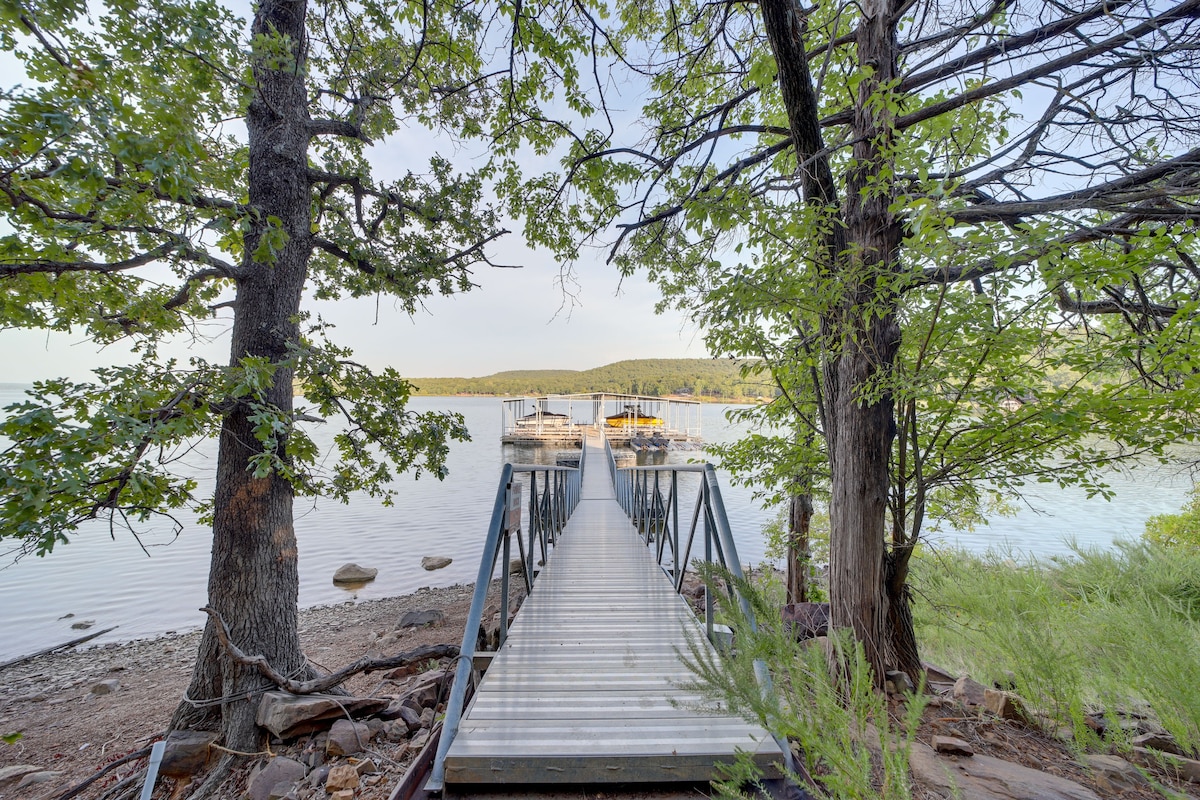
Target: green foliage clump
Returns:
[849, 745]
[1115, 631]
[1177, 530]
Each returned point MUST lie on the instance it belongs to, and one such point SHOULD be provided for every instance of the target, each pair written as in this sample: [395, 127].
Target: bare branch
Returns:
[325, 682]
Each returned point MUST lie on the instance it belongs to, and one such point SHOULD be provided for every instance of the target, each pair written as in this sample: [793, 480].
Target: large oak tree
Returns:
[162, 164]
[913, 208]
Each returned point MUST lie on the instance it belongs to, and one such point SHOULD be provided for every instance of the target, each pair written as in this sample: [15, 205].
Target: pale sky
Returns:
[517, 319]
[508, 323]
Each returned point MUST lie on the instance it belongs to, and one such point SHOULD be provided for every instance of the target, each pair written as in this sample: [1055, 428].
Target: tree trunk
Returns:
[800, 513]
[863, 415]
[253, 580]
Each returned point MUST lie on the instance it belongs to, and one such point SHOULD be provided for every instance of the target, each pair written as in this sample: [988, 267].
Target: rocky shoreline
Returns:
[78, 710]
[81, 711]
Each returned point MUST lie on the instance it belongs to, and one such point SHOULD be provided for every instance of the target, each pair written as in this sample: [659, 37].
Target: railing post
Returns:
[675, 525]
[708, 599]
[504, 585]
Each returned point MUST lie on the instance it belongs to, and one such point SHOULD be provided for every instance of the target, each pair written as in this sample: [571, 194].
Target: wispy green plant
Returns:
[822, 698]
[1115, 630]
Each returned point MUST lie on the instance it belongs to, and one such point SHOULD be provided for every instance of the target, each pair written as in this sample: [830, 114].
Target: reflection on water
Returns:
[105, 576]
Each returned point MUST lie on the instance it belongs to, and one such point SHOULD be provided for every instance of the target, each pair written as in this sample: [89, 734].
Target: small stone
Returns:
[968, 692]
[372, 780]
[395, 731]
[106, 686]
[952, 745]
[429, 616]
[318, 776]
[419, 741]
[375, 726]
[83, 625]
[275, 779]
[353, 573]
[366, 767]
[410, 718]
[341, 777]
[1114, 774]
[347, 738]
[342, 794]
[427, 718]
[283, 791]
[516, 567]
[431, 563]
[1004, 705]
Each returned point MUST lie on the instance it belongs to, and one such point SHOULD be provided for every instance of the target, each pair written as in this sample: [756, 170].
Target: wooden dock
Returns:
[588, 687]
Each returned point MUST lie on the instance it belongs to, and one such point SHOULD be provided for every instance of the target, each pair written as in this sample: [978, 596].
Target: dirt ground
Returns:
[69, 730]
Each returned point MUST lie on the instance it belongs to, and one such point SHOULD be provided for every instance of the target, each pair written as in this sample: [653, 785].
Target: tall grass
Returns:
[1113, 630]
[847, 741]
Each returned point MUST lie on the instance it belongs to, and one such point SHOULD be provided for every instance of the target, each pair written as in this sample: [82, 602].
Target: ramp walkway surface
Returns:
[588, 686]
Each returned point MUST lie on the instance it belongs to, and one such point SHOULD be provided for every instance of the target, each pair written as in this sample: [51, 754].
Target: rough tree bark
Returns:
[800, 514]
[861, 331]
[253, 576]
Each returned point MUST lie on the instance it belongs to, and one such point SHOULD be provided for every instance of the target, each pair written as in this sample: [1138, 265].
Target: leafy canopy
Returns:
[124, 189]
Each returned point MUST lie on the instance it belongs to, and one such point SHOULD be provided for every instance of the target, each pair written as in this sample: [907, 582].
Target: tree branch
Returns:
[325, 682]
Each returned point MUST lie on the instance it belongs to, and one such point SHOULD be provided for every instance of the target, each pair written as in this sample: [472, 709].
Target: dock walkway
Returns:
[588, 685]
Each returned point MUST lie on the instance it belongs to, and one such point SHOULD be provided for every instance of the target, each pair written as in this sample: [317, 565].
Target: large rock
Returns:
[288, 715]
[186, 753]
[353, 573]
[1162, 742]
[969, 692]
[806, 620]
[986, 778]
[1004, 705]
[436, 562]
[347, 738]
[276, 778]
[428, 616]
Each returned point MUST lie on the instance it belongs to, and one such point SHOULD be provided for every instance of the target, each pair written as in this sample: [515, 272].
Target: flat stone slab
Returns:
[986, 778]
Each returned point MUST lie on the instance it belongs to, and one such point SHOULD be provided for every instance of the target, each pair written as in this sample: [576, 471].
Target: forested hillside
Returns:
[700, 377]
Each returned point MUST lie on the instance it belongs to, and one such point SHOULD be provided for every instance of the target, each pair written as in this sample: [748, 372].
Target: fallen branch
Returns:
[325, 682]
[134, 756]
[48, 650]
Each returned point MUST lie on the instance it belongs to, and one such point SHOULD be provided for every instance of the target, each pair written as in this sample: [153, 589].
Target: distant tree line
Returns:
[697, 377]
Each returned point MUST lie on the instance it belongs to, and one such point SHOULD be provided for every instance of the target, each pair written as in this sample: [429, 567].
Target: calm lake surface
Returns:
[111, 581]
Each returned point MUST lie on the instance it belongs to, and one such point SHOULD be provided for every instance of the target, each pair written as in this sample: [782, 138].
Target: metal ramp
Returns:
[588, 684]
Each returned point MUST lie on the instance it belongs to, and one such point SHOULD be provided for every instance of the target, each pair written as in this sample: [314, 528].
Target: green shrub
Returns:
[850, 745]
[1177, 530]
[1117, 630]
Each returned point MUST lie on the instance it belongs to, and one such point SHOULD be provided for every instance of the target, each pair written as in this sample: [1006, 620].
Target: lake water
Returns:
[111, 581]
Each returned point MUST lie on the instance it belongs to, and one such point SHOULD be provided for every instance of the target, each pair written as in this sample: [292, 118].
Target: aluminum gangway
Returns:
[590, 684]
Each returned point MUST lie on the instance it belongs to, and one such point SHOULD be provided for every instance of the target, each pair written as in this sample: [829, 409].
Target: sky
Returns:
[515, 320]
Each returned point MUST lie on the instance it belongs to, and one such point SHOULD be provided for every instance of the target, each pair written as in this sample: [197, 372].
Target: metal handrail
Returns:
[656, 517]
[549, 509]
